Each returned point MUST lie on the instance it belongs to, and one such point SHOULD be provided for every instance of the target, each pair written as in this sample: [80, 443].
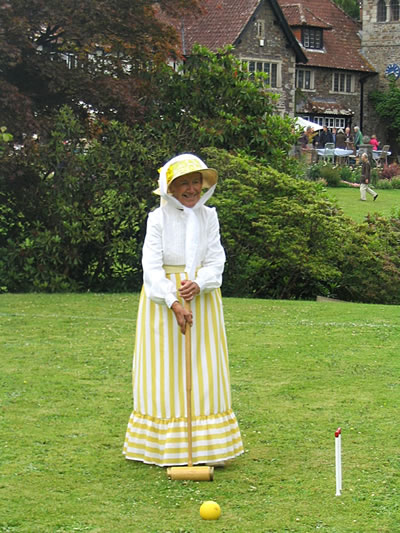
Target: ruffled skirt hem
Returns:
[163, 442]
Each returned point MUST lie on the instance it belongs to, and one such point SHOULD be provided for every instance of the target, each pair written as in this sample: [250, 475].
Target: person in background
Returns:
[334, 132]
[325, 136]
[348, 135]
[349, 139]
[340, 139]
[374, 141]
[358, 137]
[304, 140]
[366, 179]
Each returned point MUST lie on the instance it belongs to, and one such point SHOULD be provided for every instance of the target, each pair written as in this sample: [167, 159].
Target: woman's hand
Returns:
[183, 316]
[189, 289]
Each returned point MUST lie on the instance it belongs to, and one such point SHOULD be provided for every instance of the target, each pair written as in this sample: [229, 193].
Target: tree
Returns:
[212, 101]
[72, 214]
[98, 52]
[351, 7]
[387, 105]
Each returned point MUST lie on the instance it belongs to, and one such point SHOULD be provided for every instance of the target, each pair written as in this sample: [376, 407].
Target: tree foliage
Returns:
[72, 217]
[213, 101]
[351, 7]
[387, 104]
[73, 213]
[280, 234]
[110, 44]
[73, 206]
[285, 239]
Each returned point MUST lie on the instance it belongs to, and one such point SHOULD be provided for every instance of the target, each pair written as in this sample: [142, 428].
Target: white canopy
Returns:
[303, 124]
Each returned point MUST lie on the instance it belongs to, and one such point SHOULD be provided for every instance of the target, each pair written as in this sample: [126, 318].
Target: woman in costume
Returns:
[183, 259]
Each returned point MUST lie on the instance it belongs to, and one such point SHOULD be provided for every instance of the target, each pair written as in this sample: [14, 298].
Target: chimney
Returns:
[360, 5]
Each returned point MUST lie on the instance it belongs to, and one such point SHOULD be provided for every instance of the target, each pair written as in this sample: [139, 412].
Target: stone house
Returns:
[330, 86]
[261, 37]
[321, 62]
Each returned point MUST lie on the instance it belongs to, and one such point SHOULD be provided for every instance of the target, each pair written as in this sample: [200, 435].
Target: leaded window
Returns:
[381, 11]
[312, 38]
[394, 10]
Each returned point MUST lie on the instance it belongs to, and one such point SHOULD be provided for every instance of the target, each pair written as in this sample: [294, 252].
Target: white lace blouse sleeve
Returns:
[156, 285]
[209, 276]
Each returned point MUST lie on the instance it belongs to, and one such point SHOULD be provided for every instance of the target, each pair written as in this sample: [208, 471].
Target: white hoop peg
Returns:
[338, 460]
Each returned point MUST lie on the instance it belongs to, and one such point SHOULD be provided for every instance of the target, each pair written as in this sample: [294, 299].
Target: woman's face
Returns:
[187, 189]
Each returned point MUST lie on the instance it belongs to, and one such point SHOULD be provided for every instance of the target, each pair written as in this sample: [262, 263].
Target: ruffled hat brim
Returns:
[185, 165]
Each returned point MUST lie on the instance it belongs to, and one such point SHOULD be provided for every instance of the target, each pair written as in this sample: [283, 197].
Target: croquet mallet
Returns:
[190, 472]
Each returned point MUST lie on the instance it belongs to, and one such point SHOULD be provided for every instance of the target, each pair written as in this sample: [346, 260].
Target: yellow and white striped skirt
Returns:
[157, 428]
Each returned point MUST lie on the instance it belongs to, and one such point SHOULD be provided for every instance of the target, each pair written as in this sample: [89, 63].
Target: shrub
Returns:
[390, 171]
[370, 263]
[282, 237]
[79, 214]
[72, 217]
[346, 173]
[384, 184]
[395, 182]
[331, 175]
[314, 171]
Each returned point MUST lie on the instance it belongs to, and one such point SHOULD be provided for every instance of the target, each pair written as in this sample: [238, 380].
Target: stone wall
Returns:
[333, 102]
[380, 45]
[274, 48]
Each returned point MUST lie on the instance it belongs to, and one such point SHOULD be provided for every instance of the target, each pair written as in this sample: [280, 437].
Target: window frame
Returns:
[381, 11]
[260, 24]
[331, 122]
[302, 73]
[274, 70]
[310, 36]
[342, 82]
[394, 10]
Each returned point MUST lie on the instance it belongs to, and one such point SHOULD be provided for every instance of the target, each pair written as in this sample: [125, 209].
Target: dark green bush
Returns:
[331, 174]
[322, 170]
[73, 212]
[390, 184]
[347, 174]
[280, 234]
[80, 208]
[370, 263]
[285, 239]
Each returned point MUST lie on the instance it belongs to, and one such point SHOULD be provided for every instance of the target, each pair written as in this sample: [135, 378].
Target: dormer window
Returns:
[312, 38]
[381, 11]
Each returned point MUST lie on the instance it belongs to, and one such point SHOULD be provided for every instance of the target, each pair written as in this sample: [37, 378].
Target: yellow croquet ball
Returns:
[210, 511]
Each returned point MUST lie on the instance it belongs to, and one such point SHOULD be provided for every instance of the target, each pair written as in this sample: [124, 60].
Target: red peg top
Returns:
[338, 432]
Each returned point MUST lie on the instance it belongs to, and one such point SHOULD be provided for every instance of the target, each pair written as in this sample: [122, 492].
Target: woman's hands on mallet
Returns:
[183, 316]
[188, 290]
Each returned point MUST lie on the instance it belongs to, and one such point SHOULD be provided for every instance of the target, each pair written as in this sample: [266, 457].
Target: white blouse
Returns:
[164, 244]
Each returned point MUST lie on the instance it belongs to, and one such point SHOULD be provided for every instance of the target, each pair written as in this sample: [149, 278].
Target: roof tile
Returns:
[221, 23]
[296, 15]
[341, 43]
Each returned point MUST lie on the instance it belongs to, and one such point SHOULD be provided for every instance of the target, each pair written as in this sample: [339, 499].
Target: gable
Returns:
[341, 37]
[222, 23]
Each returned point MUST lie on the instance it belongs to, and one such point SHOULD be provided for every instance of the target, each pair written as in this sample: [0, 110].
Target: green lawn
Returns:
[299, 370]
[387, 203]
